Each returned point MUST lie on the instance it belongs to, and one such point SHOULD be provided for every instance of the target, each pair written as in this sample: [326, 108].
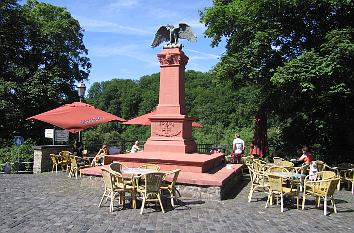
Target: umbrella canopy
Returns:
[76, 116]
[144, 120]
[260, 140]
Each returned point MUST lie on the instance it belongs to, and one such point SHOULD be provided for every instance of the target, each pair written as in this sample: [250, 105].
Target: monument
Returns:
[171, 128]
[171, 144]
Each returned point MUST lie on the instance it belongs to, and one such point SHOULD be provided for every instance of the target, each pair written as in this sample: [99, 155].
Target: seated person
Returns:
[78, 148]
[306, 156]
[99, 157]
[135, 147]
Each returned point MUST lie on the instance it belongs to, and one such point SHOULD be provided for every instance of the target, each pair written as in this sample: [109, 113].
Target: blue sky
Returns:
[118, 35]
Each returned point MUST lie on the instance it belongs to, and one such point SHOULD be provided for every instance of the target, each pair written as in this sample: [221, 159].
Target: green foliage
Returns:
[42, 56]
[299, 56]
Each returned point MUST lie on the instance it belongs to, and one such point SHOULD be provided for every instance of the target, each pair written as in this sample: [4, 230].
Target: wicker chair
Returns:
[259, 181]
[117, 167]
[150, 166]
[324, 188]
[150, 190]
[111, 189]
[65, 159]
[277, 188]
[349, 177]
[55, 162]
[277, 159]
[171, 187]
[75, 168]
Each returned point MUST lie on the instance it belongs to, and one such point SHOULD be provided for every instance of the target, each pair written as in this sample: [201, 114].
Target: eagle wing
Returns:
[162, 35]
[185, 32]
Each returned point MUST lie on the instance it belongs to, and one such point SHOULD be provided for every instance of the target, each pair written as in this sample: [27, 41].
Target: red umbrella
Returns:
[144, 120]
[76, 116]
[259, 145]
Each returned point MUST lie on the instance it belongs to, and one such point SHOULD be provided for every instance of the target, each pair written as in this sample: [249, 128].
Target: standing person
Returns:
[238, 146]
[135, 147]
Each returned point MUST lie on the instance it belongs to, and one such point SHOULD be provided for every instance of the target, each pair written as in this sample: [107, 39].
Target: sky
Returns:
[118, 35]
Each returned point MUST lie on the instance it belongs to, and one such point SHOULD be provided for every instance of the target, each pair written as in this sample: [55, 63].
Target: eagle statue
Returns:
[171, 34]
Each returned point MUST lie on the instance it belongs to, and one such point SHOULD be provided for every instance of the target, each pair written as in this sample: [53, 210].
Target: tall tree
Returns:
[300, 55]
[42, 57]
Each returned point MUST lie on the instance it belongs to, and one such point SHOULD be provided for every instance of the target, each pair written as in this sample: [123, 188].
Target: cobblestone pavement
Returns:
[55, 203]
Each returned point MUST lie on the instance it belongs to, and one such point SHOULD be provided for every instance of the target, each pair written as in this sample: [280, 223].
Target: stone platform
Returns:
[212, 184]
[168, 161]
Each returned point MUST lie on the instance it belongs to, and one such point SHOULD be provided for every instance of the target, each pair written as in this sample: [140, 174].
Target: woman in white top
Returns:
[135, 147]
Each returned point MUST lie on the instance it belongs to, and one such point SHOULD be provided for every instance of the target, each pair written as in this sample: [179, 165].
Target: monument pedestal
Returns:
[171, 128]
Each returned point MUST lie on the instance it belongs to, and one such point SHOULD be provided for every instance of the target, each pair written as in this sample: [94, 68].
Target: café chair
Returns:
[321, 188]
[65, 159]
[349, 177]
[55, 161]
[148, 185]
[286, 164]
[117, 167]
[259, 181]
[75, 167]
[111, 189]
[170, 187]
[277, 159]
[277, 188]
[150, 166]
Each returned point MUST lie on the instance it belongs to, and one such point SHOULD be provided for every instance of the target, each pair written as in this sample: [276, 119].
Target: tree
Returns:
[42, 56]
[298, 53]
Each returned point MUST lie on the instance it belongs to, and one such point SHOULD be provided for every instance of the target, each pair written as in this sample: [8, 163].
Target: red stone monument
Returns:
[171, 128]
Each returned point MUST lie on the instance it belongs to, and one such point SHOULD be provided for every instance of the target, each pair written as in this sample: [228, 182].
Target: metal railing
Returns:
[18, 167]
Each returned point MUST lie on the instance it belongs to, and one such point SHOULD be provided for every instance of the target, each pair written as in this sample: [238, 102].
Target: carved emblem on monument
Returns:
[166, 129]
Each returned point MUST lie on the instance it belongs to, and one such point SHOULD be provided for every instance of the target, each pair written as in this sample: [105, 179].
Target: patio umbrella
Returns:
[144, 120]
[260, 141]
[76, 116]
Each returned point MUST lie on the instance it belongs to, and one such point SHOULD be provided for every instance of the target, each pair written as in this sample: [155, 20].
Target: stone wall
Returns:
[211, 192]
[41, 156]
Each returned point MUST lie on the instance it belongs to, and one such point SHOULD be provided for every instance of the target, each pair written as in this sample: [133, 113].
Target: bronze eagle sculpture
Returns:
[171, 34]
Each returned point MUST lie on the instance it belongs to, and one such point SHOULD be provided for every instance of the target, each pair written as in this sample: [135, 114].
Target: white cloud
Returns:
[123, 3]
[197, 55]
[95, 25]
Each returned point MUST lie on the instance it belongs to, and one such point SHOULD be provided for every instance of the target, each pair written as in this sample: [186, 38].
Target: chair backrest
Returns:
[332, 186]
[54, 159]
[73, 161]
[107, 178]
[326, 175]
[116, 167]
[175, 174]
[275, 182]
[150, 166]
[286, 164]
[153, 182]
[277, 169]
[65, 155]
[277, 159]
[320, 165]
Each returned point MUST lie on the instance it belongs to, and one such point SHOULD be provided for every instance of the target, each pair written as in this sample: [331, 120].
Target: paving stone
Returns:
[49, 202]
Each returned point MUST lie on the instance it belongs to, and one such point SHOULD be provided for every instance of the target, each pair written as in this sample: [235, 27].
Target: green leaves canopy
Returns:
[42, 55]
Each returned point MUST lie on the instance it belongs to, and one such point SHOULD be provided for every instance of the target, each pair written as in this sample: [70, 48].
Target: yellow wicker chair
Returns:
[324, 188]
[111, 189]
[277, 188]
[148, 185]
[55, 161]
[349, 177]
[171, 187]
[65, 159]
[75, 168]
[117, 167]
[277, 159]
[259, 181]
[286, 164]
